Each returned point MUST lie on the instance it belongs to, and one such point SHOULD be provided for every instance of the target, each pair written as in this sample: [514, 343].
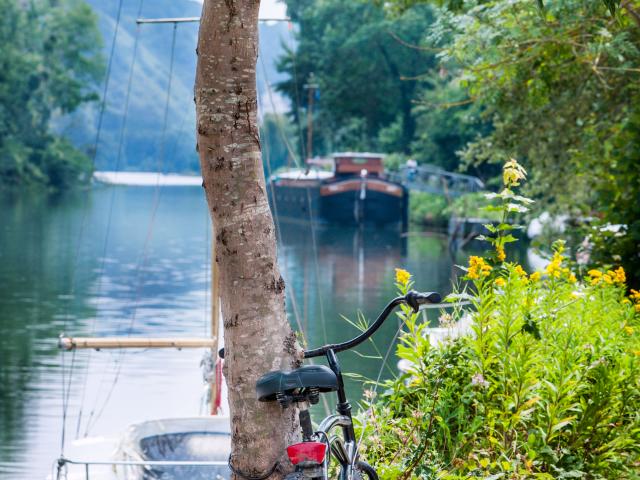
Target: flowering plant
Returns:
[546, 386]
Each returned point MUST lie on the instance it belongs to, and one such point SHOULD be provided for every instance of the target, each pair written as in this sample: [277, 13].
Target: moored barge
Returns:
[356, 192]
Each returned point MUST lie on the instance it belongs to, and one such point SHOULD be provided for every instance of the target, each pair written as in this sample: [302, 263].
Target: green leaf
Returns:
[562, 423]
[493, 208]
[514, 207]
[503, 227]
[612, 5]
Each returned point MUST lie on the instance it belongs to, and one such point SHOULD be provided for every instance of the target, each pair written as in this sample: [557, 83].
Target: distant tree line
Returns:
[50, 62]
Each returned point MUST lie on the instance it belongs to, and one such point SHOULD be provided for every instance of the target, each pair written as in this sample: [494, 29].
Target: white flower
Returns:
[478, 380]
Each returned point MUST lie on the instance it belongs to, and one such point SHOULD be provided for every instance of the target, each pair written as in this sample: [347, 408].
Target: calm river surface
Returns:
[135, 260]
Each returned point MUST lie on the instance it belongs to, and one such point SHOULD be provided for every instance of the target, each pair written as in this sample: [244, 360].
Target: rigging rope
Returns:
[314, 244]
[142, 263]
[123, 128]
[309, 204]
[296, 83]
[294, 303]
[66, 387]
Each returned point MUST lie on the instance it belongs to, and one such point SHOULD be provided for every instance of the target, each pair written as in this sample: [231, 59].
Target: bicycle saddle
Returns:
[308, 376]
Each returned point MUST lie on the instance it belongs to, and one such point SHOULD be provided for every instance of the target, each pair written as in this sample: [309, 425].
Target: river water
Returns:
[135, 261]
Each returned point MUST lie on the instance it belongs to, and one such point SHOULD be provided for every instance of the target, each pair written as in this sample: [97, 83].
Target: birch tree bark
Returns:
[257, 336]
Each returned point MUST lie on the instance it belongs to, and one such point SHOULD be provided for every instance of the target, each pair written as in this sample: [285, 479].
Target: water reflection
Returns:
[38, 299]
[120, 261]
[333, 273]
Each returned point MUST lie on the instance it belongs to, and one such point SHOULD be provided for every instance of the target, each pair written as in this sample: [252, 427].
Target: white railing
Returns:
[63, 462]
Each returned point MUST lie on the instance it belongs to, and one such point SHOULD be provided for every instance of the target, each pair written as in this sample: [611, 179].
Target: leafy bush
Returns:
[471, 205]
[546, 384]
[431, 209]
[393, 161]
[427, 209]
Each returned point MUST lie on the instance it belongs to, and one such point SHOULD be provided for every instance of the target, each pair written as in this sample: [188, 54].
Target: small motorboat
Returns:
[182, 449]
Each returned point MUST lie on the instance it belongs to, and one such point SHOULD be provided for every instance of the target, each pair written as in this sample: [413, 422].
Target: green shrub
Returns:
[431, 209]
[471, 205]
[428, 209]
[546, 385]
[393, 161]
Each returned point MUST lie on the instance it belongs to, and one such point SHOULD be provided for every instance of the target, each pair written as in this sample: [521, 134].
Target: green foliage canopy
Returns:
[559, 83]
[49, 61]
[367, 67]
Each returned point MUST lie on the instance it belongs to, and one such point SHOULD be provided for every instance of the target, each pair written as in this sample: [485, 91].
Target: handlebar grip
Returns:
[415, 299]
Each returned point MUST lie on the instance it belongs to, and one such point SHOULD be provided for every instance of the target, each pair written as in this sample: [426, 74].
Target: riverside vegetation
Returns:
[466, 84]
[546, 386]
[50, 64]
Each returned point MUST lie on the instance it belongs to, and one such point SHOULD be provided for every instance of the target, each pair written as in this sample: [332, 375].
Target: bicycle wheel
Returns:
[364, 471]
[294, 476]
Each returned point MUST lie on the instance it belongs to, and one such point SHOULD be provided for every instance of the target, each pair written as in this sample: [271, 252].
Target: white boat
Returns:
[202, 445]
[188, 448]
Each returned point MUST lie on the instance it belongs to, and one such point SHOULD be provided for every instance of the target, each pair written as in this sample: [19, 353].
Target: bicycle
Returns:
[303, 386]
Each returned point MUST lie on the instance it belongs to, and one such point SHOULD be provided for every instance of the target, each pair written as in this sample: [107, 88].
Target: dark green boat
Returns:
[356, 192]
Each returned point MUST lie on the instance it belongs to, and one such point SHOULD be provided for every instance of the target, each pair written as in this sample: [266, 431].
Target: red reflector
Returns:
[307, 452]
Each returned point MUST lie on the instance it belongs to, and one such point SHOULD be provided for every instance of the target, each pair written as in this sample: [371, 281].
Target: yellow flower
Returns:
[637, 307]
[500, 282]
[520, 271]
[535, 276]
[477, 268]
[596, 276]
[619, 275]
[554, 269]
[636, 353]
[402, 276]
[635, 295]
[626, 301]
[628, 330]
[512, 173]
[500, 253]
[572, 278]
[607, 278]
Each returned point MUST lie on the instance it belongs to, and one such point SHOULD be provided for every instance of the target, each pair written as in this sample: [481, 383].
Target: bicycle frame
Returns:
[345, 452]
[345, 449]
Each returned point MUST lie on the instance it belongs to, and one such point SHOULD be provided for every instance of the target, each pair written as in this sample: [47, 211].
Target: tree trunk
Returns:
[257, 336]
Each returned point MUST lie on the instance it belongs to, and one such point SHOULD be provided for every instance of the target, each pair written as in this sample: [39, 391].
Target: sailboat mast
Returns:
[215, 322]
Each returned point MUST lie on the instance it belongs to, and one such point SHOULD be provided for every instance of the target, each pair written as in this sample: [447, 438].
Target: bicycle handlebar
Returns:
[413, 299]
